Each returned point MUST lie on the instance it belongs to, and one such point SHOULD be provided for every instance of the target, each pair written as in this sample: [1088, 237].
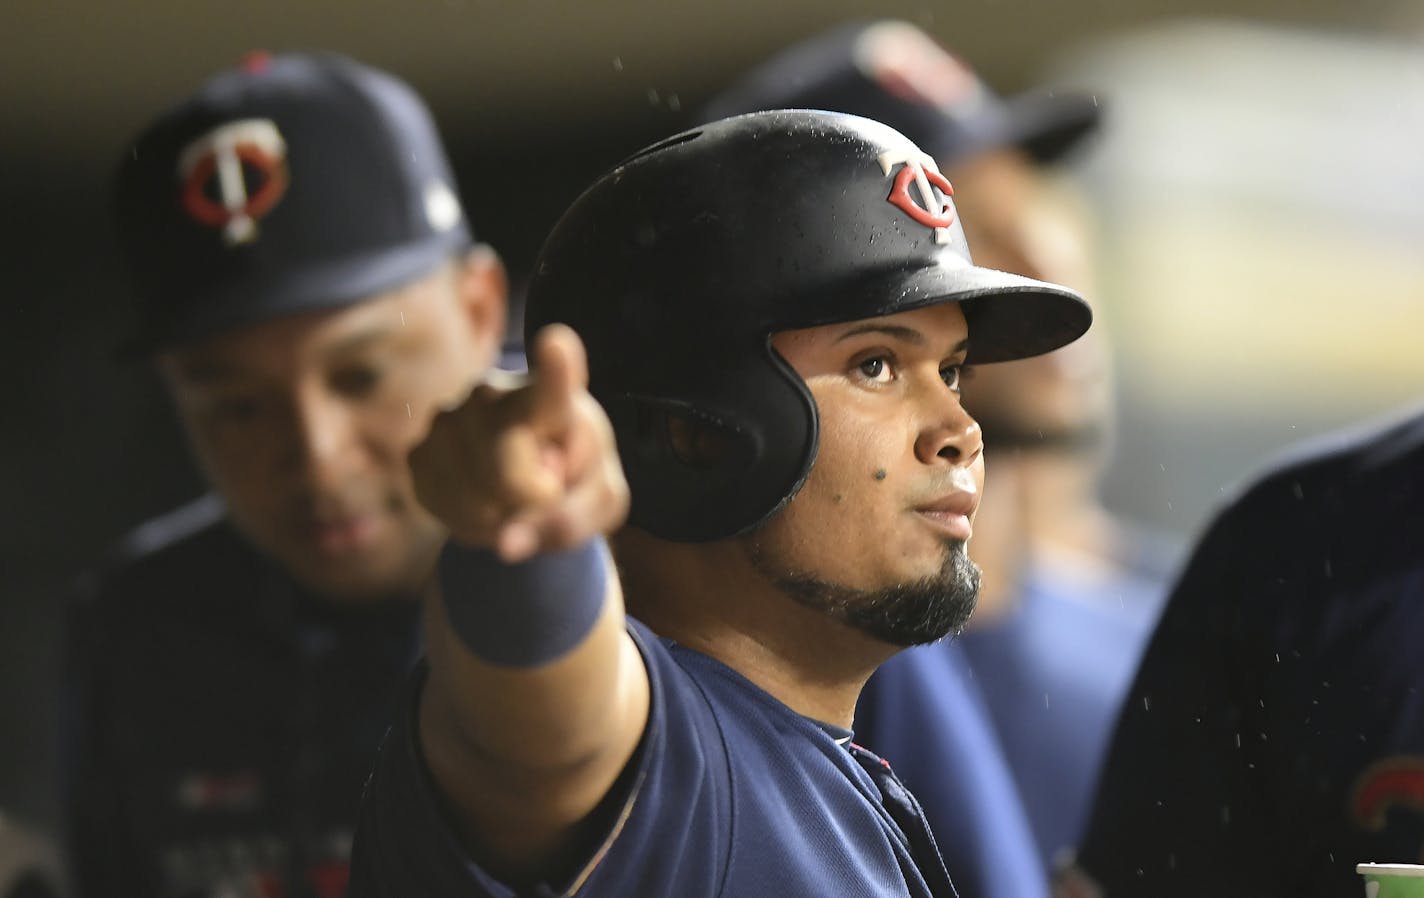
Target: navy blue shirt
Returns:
[221, 721]
[1053, 674]
[924, 712]
[1274, 736]
[1033, 695]
[730, 794]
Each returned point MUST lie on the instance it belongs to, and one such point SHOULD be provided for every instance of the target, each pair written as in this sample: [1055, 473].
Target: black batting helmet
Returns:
[676, 267]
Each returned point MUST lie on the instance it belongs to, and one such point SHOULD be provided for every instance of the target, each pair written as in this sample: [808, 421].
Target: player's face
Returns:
[303, 424]
[876, 536]
[1061, 397]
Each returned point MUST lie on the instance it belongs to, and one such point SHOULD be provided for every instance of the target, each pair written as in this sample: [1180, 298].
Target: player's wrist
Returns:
[528, 613]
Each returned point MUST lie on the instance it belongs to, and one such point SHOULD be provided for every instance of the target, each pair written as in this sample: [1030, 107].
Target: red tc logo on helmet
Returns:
[920, 169]
[246, 164]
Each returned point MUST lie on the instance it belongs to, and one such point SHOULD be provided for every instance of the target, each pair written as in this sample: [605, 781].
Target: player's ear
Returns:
[482, 290]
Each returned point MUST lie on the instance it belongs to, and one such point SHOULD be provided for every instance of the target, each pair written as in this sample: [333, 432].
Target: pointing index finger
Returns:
[560, 369]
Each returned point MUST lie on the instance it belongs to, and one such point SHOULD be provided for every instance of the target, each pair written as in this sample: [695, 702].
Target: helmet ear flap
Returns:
[702, 444]
[709, 464]
[669, 433]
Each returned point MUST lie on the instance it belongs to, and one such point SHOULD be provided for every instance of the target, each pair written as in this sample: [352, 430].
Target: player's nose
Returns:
[948, 433]
[324, 441]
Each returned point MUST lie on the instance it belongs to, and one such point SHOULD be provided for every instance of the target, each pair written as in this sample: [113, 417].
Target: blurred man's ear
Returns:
[482, 288]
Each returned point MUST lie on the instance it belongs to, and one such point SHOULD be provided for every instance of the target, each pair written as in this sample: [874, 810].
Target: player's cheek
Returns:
[229, 463]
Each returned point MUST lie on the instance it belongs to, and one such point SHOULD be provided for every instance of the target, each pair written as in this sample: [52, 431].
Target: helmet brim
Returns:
[1010, 316]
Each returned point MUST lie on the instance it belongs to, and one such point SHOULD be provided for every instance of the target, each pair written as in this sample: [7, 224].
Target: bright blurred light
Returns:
[1261, 198]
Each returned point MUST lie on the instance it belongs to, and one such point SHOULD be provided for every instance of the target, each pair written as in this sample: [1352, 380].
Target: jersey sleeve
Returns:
[1178, 811]
[668, 820]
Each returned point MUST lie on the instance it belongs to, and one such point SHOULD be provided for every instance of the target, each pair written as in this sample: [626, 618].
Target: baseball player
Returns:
[310, 291]
[776, 309]
[1063, 611]
[1274, 737]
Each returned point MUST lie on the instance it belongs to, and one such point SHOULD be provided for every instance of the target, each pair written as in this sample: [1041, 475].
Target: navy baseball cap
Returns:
[893, 72]
[291, 183]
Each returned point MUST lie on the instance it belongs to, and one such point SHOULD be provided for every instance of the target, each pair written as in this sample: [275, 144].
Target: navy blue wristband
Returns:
[526, 614]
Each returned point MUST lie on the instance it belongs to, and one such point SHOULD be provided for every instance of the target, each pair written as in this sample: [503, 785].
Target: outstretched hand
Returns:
[528, 469]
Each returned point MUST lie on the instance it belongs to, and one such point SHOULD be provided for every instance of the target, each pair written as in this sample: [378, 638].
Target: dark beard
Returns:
[904, 614]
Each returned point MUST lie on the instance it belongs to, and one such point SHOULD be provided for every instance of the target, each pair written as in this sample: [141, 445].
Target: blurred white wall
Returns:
[1260, 192]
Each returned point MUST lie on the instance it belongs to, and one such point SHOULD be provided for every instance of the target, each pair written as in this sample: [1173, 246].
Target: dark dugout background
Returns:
[535, 99]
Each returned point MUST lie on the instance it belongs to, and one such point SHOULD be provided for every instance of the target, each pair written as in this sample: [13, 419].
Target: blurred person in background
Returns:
[1274, 736]
[310, 291]
[1069, 592]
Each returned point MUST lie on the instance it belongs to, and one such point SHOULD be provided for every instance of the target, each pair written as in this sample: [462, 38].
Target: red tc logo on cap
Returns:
[1393, 785]
[920, 168]
[247, 159]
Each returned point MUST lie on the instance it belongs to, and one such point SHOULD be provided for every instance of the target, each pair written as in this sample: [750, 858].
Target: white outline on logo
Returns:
[918, 161]
[222, 144]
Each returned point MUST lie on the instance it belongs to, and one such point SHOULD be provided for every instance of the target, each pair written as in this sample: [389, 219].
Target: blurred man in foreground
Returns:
[310, 292]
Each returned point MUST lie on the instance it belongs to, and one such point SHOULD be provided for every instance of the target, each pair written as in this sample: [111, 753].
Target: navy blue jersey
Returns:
[221, 722]
[1274, 736]
[925, 713]
[731, 794]
[1054, 673]
[1035, 693]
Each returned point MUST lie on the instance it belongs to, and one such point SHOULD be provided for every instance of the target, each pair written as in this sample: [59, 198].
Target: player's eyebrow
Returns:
[898, 332]
[209, 371]
[361, 339]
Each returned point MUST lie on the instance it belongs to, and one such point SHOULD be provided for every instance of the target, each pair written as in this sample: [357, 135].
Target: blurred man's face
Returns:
[1062, 398]
[303, 423]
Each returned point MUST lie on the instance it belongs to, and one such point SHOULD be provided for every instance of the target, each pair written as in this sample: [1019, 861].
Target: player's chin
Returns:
[372, 575]
[920, 606]
[920, 615]
[939, 604]
[925, 556]
[356, 584]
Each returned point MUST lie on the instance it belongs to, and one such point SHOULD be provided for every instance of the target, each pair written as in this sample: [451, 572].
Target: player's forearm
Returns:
[519, 719]
[539, 682]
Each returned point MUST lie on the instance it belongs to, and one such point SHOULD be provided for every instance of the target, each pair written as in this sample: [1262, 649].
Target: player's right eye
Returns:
[876, 369]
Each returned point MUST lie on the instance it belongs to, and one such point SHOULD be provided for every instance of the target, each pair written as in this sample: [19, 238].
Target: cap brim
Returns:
[1048, 126]
[1010, 316]
[240, 302]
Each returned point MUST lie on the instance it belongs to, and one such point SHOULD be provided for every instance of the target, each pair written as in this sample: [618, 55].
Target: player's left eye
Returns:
[953, 376]
[356, 381]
